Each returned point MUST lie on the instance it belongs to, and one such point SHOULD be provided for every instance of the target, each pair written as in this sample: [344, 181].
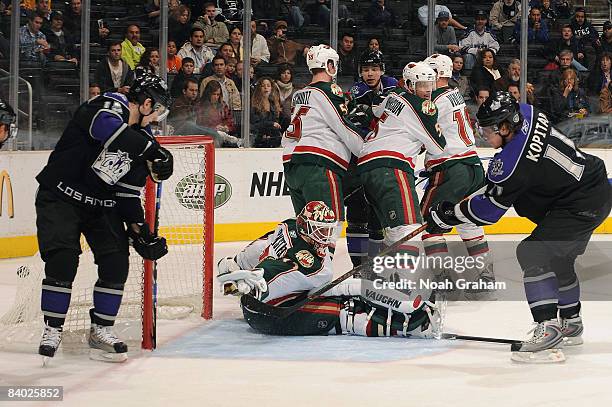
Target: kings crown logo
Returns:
[111, 166]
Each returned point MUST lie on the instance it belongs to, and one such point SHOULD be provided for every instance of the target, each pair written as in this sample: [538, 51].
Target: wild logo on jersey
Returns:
[428, 107]
[305, 258]
[111, 166]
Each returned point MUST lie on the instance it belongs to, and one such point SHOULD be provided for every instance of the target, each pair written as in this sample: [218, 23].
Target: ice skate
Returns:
[544, 346]
[572, 329]
[51, 339]
[485, 279]
[105, 346]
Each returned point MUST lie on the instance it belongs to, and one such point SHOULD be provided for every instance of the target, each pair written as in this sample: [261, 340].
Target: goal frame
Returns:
[151, 194]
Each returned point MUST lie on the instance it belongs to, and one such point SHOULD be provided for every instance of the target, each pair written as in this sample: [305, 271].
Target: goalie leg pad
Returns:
[55, 301]
[107, 300]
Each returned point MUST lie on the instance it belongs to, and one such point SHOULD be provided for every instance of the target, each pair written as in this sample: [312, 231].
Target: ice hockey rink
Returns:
[224, 363]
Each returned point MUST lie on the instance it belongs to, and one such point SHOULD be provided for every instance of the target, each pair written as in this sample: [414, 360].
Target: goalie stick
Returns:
[260, 307]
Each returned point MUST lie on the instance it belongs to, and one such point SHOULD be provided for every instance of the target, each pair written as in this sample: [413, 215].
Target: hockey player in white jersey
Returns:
[455, 173]
[319, 142]
[282, 266]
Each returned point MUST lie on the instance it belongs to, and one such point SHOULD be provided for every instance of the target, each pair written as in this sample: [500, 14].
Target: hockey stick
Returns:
[156, 232]
[479, 339]
[259, 307]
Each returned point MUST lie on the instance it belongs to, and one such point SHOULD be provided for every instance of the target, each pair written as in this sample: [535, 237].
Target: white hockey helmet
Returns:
[418, 72]
[317, 222]
[440, 63]
[319, 55]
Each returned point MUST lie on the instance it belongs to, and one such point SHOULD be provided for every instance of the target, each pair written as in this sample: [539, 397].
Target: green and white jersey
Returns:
[406, 124]
[454, 121]
[291, 265]
[318, 133]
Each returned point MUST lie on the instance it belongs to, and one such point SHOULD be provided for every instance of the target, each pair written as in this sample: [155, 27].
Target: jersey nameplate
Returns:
[394, 106]
[536, 145]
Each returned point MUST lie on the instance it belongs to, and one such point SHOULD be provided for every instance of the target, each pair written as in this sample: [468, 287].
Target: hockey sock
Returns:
[542, 292]
[569, 300]
[54, 301]
[435, 244]
[357, 242]
[107, 300]
[476, 246]
[375, 242]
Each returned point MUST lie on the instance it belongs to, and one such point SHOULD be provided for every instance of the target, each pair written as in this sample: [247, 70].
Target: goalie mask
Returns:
[317, 223]
[420, 79]
[8, 121]
[319, 57]
[440, 63]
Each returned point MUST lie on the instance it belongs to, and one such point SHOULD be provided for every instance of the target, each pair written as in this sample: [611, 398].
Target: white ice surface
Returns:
[224, 363]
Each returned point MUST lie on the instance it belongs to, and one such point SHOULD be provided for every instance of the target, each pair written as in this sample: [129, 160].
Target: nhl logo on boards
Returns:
[428, 108]
[305, 258]
[496, 167]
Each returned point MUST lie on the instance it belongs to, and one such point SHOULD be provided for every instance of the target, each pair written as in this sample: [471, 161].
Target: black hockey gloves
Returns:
[441, 218]
[161, 165]
[147, 245]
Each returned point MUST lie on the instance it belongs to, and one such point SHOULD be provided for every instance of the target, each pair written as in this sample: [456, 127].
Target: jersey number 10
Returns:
[462, 123]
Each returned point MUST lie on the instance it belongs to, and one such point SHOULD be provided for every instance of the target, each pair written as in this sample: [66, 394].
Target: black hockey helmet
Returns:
[499, 107]
[8, 118]
[148, 85]
[369, 58]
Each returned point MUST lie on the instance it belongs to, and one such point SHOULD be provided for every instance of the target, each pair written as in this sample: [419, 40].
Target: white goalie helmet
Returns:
[319, 55]
[440, 63]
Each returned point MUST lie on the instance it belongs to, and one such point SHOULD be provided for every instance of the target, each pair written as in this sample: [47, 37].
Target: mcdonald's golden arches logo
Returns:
[6, 180]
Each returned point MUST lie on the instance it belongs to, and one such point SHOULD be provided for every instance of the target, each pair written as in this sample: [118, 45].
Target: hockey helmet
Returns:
[440, 63]
[372, 58]
[318, 57]
[317, 222]
[148, 85]
[415, 72]
[499, 107]
[8, 118]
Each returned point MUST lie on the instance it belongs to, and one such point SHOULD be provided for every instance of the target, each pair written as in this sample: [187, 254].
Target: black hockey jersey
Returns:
[100, 161]
[537, 171]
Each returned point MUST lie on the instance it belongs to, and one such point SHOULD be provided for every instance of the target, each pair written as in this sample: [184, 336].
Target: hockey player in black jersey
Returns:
[91, 185]
[563, 190]
[7, 122]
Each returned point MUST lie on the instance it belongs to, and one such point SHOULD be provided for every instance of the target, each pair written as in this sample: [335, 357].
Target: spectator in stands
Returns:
[178, 25]
[230, 70]
[239, 71]
[380, 14]
[174, 62]
[600, 76]
[43, 8]
[286, 89]
[537, 29]
[94, 90]
[213, 112]
[482, 94]
[131, 48]
[515, 91]
[186, 72]
[33, 44]
[61, 43]
[215, 32]
[563, 8]
[476, 39]
[568, 99]
[290, 11]
[260, 53]
[266, 126]
[113, 74]
[486, 73]
[513, 73]
[230, 91]
[236, 41]
[348, 55]
[445, 40]
[606, 38]
[282, 49]
[605, 99]
[568, 42]
[583, 29]
[422, 13]
[458, 80]
[319, 13]
[184, 107]
[150, 60]
[373, 44]
[196, 50]
[503, 16]
[72, 24]
[549, 14]
[226, 51]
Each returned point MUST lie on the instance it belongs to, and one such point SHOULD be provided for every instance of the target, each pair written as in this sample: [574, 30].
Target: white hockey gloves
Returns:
[238, 282]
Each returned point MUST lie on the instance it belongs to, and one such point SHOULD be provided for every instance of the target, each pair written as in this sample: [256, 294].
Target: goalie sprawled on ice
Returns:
[283, 266]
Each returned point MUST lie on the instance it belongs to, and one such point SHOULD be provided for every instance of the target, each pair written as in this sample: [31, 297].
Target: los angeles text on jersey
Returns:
[541, 131]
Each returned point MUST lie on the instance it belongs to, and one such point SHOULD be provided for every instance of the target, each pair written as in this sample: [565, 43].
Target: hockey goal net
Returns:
[176, 286]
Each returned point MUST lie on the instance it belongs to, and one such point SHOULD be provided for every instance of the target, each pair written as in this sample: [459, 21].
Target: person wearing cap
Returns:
[583, 29]
[445, 40]
[476, 39]
[606, 38]
[423, 10]
[503, 15]
[61, 42]
[282, 49]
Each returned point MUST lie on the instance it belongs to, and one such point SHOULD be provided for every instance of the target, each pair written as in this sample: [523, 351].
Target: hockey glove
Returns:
[441, 218]
[147, 245]
[360, 116]
[162, 165]
[243, 282]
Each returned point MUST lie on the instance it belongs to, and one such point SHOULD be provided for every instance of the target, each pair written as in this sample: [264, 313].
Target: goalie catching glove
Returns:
[147, 245]
[161, 165]
[441, 217]
[238, 282]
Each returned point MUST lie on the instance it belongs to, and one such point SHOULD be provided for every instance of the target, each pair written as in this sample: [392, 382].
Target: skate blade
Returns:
[99, 354]
[572, 341]
[46, 361]
[543, 356]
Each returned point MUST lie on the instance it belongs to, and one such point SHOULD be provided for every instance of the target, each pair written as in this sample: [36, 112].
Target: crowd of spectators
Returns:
[205, 53]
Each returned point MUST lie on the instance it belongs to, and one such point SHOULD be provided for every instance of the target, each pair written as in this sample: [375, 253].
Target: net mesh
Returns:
[180, 274]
